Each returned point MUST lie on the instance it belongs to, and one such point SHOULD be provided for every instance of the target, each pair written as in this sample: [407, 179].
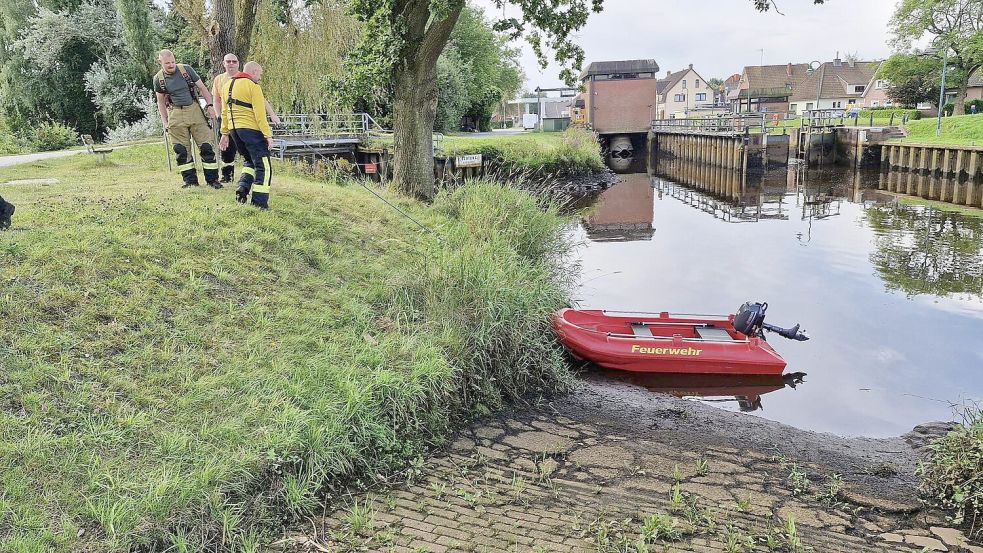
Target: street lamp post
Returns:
[938, 122]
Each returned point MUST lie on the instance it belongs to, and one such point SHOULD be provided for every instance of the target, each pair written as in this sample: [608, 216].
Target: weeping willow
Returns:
[302, 50]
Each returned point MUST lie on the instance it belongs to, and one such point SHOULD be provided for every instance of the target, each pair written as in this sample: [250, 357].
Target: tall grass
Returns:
[182, 373]
[573, 152]
[952, 477]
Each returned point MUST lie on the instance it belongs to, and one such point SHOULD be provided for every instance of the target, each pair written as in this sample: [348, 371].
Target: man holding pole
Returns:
[244, 124]
[178, 88]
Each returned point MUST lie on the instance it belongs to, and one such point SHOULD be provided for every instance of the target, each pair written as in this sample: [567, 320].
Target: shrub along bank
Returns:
[572, 152]
[184, 373]
[952, 478]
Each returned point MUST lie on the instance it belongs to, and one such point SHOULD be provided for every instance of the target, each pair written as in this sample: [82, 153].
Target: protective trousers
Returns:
[228, 157]
[183, 124]
[257, 172]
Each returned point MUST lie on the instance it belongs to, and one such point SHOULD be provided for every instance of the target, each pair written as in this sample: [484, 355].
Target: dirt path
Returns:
[7, 161]
[612, 467]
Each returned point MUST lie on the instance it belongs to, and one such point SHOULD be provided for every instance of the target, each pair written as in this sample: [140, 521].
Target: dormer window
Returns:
[858, 89]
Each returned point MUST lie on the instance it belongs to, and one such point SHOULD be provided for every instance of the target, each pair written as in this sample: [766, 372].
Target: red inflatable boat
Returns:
[664, 343]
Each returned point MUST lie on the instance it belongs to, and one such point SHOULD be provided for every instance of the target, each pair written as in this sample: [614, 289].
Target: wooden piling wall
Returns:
[963, 163]
[725, 152]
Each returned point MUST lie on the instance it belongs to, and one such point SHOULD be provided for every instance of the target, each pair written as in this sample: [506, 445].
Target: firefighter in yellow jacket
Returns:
[244, 122]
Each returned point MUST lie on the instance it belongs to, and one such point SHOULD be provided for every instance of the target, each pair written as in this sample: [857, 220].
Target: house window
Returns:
[794, 108]
[701, 97]
[837, 105]
[809, 106]
[697, 84]
[851, 101]
[879, 83]
[679, 98]
[858, 89]
[684, 83]
[874, 104]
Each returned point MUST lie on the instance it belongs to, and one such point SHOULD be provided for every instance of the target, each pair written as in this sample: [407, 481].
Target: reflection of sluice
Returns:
[623, 212]
[746, 390]
[929, 187]
[723, 193]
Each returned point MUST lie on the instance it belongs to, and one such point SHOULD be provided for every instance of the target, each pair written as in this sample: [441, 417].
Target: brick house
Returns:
[682, 91]
[766, 88]
[620, 96]
[834, 85]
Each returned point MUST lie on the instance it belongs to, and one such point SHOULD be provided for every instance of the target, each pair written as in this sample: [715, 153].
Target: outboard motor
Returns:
[750, 321]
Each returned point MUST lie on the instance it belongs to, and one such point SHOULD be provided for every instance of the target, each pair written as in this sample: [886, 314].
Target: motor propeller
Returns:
[750, 320]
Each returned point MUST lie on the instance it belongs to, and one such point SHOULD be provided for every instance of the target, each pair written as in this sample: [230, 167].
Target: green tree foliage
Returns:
[913, 78]
[953, 25]
[138, 36]
[922, 250]
[476, 71]
[302, 49]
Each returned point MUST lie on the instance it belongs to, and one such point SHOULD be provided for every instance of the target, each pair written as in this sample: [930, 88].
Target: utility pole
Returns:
[945, 60]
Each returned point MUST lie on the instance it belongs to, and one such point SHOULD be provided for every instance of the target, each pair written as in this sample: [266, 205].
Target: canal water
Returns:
[891, 291]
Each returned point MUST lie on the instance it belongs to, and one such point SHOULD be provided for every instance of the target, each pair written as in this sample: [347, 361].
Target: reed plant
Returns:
[184, 373]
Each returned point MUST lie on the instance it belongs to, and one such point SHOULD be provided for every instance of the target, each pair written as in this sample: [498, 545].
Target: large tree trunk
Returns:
[415, 109]
[244, 31]
[415, 106]
[959, 102]
[220, 34]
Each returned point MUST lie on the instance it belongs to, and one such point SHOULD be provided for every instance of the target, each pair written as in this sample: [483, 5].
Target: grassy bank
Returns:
[182, 373]
[574, 151]
[962, 130]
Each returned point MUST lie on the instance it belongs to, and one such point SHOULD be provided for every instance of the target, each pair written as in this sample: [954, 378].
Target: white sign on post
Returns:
[473, 160]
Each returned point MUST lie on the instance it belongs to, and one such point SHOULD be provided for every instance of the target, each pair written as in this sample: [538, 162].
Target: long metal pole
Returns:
[938, 123]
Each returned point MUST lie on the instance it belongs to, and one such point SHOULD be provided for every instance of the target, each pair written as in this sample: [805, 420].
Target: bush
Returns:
[52, 136]
[145, 127]
[8, 142]
[885, 113]
[952, 479]
[950, 107]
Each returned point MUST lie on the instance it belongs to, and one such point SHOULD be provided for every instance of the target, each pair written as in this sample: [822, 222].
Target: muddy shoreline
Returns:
[582, 470]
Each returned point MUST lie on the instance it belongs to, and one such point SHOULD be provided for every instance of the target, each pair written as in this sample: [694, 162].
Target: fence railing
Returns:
[324, 125]
[723, 124]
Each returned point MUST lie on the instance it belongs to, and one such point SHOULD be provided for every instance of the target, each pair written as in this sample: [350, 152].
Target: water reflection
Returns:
[624, 211]
[923, 250]
[892, 292]
[744, 391]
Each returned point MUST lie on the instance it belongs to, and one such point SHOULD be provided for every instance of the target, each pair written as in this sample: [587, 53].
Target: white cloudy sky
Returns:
[720, 37]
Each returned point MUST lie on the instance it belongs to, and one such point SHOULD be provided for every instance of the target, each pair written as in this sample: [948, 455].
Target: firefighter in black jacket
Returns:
[178, 88]
[244, 121]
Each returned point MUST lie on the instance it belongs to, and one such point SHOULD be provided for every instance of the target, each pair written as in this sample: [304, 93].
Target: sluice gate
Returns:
[734, 142]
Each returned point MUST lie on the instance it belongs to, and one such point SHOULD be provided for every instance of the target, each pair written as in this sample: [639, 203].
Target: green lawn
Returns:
[963, 130]
[184, 373]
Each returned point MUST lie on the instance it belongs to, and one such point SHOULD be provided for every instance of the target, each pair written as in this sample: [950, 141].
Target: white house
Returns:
[680, 92]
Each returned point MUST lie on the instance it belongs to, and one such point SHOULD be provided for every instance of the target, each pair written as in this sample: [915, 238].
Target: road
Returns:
[7, 161]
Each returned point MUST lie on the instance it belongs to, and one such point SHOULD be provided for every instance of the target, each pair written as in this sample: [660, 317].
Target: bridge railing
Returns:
[324, 125]
[722, 124]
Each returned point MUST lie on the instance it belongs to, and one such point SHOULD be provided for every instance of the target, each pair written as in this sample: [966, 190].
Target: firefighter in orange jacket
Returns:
[244, 122]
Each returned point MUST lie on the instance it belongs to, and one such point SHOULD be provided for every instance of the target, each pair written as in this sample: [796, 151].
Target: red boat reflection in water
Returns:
[746, 390]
